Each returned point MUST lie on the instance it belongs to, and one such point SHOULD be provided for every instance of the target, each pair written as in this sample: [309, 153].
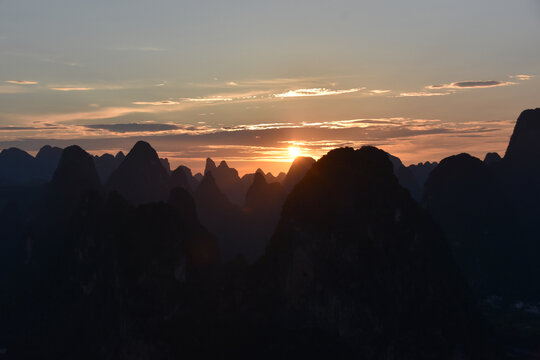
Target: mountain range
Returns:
[351, 255]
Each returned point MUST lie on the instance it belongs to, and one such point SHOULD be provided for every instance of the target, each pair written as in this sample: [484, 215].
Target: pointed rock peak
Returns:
[259, 170]
[49, 150]
[524, 145]
[143, 149]
[15, 153]
[76, 169]
[210, 165]
[120, 155]
[259, 179]
[491, 158]
[223, 164]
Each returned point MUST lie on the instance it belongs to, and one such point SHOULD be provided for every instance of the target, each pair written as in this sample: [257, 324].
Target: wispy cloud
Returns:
[521, 77]
[69, 88]
[133, 127]
[315, 92]
[471, 84]
[22, 82]
[156, 103]
[208, 99]
[378, 92]
[423, 94]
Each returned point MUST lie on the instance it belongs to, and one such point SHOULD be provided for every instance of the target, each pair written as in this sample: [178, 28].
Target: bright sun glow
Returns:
[294, 151]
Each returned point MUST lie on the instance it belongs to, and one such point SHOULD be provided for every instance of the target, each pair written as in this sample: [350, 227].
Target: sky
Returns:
[245, 80]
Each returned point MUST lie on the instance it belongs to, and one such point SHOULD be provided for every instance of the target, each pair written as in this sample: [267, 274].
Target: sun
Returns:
[294, 151]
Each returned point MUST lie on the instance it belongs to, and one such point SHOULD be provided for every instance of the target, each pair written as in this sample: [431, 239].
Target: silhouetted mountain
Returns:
[298, 169]
[181, 177]
[219, 215]
[106, 164]
[193, 180]
[141, 178]
[463, 195]
[74, 178]
[491, 158]
[47, 161]
[165, 164]
[357, 261]
[524, 148]
[421, 171]
[227, 180]
[406, 177]
[261, 210]
[17, 167]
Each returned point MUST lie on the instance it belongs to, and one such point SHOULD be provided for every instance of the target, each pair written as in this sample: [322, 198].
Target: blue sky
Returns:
[243, 80]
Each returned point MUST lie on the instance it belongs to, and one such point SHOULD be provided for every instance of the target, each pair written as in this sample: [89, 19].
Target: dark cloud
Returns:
[133, 127]
[471, 84]
[468, 84]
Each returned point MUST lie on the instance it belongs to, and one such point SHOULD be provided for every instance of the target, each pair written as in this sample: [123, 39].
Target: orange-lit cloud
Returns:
[157, 103]
[207, 99]
[22, 82]
[377, 92]
[423, 94]
[69, 88]
[315, 92]
[474, 84]
[522, 77]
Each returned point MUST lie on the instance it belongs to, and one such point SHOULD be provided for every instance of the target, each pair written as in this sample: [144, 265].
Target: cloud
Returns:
[471, 84]
[315, 92]
[157, 103]
[232, 83]
[22, 82]
[377, 92]
[423, 93]
[522, 77]
[133, 127]
[207, 99]
[69, 88]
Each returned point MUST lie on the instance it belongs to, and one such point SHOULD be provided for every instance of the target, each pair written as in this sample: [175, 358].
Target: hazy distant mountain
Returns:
[141, 178]
[220, 216]
[47, 160]
[298, 169]
[356, 260]
[181, 177]
[406, 177]
[227, 180]
[491, 158]
[17, 167]
[106, 164]
[261, 211]
[421, 171]
[192, 180]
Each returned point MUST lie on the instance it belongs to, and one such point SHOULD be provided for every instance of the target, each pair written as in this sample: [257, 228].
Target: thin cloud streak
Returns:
[22, 82]
[522, 77]
[156, 103]
[71, 88]
[471, 84]
[315, 92]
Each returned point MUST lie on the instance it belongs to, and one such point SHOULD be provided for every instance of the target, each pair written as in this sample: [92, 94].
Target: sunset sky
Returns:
[244, 80]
